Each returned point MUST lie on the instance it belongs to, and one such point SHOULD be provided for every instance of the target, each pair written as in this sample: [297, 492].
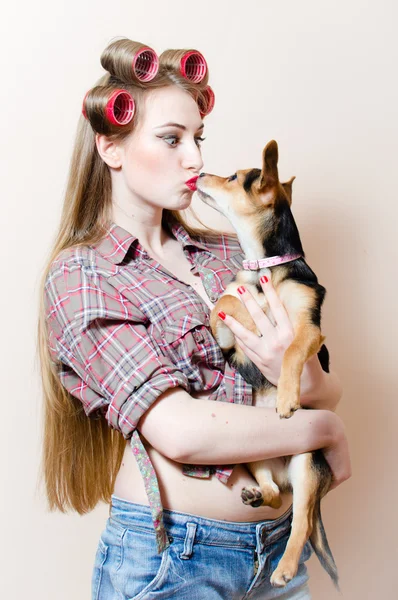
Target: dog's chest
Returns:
[266, 399]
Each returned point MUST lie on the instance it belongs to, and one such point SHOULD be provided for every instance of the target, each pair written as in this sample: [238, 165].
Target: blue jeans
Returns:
[206, 560]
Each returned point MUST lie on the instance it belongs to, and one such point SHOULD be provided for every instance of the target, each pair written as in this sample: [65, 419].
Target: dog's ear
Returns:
[269, 173]
[287, 186]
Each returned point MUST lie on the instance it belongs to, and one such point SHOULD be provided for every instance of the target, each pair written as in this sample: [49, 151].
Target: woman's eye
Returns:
[199, 141]
[234, 176]
[172, 138]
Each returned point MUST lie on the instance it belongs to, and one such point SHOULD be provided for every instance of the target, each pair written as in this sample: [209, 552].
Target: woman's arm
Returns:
[194, 431]
[318, 388]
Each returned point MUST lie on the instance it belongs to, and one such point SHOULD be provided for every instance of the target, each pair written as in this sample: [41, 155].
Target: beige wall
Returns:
[319, 77]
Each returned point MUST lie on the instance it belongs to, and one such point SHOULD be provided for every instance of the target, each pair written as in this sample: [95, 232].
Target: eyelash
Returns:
[175, 137]
[234, 176]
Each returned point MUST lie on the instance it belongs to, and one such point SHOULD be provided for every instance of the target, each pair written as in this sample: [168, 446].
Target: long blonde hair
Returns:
[81, 455]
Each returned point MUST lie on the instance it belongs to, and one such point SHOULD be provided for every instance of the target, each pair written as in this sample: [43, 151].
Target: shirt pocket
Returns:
[189, 343]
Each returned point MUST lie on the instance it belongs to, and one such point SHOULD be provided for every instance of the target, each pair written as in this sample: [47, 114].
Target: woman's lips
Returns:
[191, 183]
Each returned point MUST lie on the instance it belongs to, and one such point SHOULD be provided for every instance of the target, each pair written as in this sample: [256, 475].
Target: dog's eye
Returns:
[234, 176]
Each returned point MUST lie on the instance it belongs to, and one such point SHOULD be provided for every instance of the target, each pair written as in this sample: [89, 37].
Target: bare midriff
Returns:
[209, 498]
[203, 497]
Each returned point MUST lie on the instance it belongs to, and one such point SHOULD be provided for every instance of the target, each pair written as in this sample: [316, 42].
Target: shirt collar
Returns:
[184, 238]
[116, 243]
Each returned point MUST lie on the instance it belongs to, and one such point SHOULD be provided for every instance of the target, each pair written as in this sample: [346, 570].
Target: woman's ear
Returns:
[109, 151]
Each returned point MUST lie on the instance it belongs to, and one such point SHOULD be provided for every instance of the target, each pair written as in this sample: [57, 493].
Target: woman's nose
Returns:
[193, 159]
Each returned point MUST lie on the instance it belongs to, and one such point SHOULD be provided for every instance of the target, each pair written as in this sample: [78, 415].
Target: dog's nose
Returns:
[202, 174]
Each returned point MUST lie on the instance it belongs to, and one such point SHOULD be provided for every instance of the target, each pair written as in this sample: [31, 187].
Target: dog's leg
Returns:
[234, 307]
[305, 487]
[306, 343]
[266, 493]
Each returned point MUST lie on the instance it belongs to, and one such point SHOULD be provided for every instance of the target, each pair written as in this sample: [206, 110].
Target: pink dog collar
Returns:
[262, 263]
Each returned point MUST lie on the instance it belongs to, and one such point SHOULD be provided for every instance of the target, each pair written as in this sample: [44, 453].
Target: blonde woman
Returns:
[141, 409]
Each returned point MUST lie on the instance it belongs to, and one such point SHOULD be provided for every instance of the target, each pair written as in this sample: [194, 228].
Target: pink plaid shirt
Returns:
[123, 330]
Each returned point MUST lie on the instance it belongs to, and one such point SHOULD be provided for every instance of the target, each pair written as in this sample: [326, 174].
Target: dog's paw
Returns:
[252, 496]
[286, 407]
[286, 412]
[283, 574]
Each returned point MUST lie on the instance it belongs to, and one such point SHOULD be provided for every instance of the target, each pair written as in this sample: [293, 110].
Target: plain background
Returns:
[320, 78]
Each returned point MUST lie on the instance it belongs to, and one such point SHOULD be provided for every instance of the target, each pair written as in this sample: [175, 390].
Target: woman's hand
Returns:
[318, 389]
[266, 351]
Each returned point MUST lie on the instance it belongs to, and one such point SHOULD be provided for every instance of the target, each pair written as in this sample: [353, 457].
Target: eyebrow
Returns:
[178, 125]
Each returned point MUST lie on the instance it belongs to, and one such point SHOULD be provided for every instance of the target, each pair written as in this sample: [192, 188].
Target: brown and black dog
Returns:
[258, 207]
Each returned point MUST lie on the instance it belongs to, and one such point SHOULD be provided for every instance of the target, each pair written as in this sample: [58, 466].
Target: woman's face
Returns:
[163, 152]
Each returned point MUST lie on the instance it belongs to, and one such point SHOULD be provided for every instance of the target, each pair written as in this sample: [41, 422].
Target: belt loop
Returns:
[189, 541]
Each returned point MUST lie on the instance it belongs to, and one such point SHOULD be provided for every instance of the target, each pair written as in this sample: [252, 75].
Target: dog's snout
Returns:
[202, 174]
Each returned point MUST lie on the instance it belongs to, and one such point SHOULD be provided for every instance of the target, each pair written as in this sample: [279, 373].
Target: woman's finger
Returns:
[245, 335]
[261, 320]
[277, 308]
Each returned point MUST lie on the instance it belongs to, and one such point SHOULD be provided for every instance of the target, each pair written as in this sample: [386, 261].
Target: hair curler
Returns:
[193, 66]
[114, 106]
[119, 109]
[130, 62]
[206, 101]
[145, 64]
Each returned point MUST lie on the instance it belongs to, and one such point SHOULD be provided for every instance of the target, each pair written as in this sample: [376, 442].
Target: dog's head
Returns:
[249, 194]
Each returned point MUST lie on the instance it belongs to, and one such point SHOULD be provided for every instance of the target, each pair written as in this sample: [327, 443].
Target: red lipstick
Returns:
[191, 183]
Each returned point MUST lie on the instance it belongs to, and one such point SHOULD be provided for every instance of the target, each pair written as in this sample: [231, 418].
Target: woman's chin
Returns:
[183, 202]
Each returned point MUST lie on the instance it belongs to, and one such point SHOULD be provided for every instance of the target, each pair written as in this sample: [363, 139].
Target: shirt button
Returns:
[198, 335]
[213, 298]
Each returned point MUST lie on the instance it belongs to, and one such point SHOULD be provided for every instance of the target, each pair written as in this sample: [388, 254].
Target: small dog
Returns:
[258, 207]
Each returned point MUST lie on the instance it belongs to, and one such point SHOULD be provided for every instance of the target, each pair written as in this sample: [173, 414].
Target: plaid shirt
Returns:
[123, 330]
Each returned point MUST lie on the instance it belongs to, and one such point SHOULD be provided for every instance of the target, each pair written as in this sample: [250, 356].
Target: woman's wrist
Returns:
[319, 389]
[312, 379]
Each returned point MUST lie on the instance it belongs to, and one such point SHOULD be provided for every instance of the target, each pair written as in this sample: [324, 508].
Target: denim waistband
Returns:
[207, 531]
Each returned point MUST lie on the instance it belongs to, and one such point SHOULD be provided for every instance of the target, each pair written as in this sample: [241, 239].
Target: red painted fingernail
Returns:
[264, 279]
[222, 315]
[241, 289]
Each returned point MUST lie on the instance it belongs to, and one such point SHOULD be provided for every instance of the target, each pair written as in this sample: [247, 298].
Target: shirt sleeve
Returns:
[101, 347]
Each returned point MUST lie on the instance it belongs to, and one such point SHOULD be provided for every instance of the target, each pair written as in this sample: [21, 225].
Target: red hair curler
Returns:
[206, 103]
[120, 108]
[145, 64]
[193, 66]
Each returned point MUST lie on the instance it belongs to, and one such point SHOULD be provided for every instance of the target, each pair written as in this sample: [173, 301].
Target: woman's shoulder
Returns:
[82, 257]
[223, 245]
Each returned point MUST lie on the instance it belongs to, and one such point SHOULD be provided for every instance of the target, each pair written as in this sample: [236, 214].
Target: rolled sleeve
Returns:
[124, 365]
[102, 348]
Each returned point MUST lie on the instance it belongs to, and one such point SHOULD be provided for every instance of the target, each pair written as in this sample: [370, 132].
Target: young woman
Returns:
[142, 410]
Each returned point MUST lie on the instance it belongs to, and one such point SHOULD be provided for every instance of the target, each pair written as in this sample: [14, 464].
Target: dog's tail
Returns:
[321, 546]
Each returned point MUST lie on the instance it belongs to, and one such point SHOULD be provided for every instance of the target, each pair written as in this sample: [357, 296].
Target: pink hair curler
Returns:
[145, 64]
[120, 108]
[206, 105]
[193, 66]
